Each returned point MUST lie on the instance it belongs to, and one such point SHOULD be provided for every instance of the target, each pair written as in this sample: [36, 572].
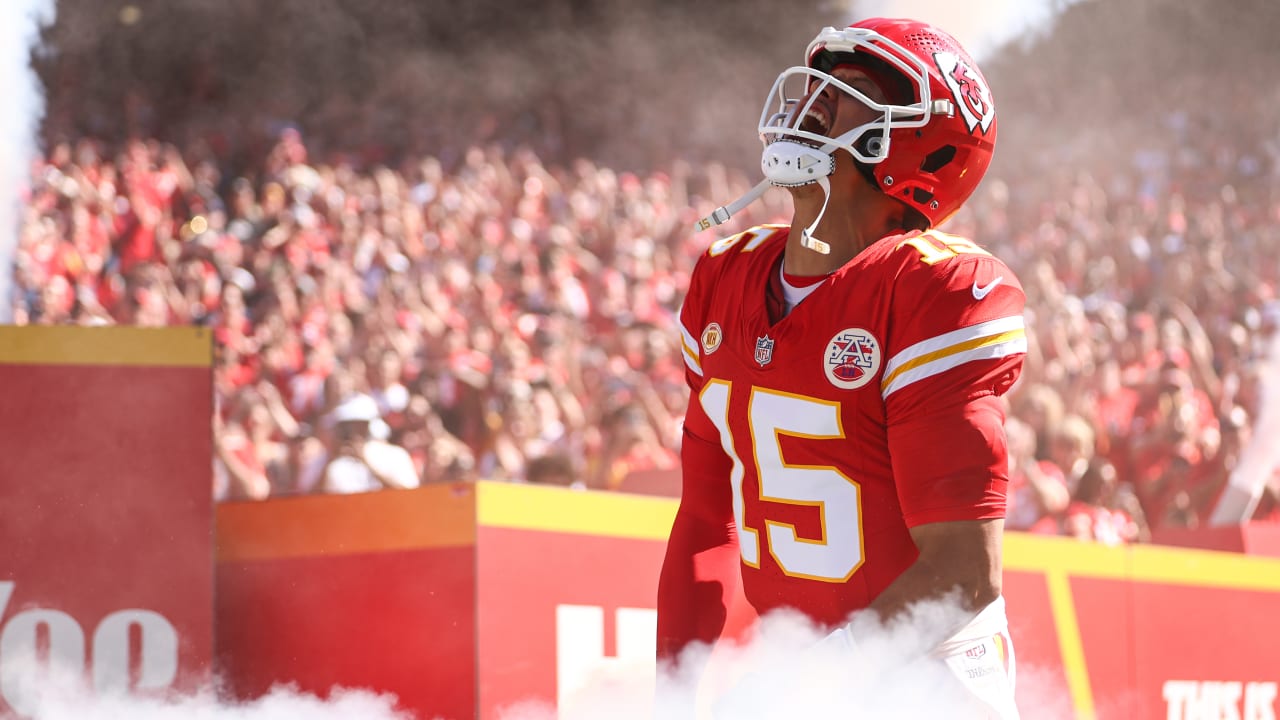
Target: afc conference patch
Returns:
[852, 358]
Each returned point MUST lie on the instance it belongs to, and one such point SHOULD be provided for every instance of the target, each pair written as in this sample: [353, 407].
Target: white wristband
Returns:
[840, 649]
[840, 640]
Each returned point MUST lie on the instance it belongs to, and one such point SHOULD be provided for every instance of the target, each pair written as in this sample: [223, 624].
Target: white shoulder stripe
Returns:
[992, 339]
[963, 335]
[689, 349]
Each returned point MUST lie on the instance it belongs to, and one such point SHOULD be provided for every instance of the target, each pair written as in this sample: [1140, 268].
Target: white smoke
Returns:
[20, 22]
[38, 691]
[282, 703]
[1260, 458]
[980, 27]
[786, 670]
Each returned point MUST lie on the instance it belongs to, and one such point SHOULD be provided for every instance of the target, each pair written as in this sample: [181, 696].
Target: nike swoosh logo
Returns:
[981, 291]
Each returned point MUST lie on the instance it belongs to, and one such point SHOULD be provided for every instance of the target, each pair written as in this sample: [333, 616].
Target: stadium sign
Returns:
[106, 517]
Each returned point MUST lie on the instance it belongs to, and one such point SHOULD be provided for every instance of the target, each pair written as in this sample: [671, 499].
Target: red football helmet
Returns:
[933, 139]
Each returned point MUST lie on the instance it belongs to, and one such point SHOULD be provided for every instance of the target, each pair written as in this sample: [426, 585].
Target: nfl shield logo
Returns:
[764, 350]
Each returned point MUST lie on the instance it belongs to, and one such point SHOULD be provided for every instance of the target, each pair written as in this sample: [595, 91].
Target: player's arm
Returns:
[700, 573]
[974, 545]
[958, 347]
[956, 507]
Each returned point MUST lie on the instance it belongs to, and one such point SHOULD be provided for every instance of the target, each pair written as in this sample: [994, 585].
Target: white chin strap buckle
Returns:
[790, 164]
[812, 243]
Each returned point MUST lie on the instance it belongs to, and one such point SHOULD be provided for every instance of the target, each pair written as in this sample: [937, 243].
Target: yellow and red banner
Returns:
[468, 599]
[106, 517]
[361, 591]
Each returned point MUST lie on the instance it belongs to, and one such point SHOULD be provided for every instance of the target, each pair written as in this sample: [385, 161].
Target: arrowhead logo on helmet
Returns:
[971, 93]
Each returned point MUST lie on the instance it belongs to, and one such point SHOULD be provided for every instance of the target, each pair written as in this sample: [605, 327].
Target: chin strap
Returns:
[807, 238]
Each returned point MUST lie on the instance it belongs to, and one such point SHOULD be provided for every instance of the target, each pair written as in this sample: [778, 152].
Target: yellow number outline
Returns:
[776, 474]
[935, 246]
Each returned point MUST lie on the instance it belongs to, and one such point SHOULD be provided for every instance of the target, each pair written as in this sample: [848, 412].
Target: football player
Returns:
[844, 452]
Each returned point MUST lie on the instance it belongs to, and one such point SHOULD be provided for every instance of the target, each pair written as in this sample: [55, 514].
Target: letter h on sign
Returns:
[580, 644]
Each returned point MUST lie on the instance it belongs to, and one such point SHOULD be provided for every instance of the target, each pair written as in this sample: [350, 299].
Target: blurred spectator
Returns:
[360, 462]
[385, 373]
[239, 473]
[1071, 449]
[630, 445]
[555, 469]
[1038, 494]
[1099, 511]
[1174, 435]
[1041, 407]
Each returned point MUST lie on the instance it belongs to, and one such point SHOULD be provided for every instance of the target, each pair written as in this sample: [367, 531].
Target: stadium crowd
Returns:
[504, 316]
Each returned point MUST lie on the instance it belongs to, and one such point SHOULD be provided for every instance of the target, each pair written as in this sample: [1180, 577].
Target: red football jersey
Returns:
[869, 409]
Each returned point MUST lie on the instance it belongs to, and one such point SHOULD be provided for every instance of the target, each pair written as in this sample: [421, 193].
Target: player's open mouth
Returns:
[816, 121]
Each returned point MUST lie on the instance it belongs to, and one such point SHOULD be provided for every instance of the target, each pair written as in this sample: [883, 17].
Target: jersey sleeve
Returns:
[957, 343]
[690, 320]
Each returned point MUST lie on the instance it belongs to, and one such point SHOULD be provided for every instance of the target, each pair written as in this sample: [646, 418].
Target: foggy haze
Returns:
[24, 107]
[627, 84]
[980, 29]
